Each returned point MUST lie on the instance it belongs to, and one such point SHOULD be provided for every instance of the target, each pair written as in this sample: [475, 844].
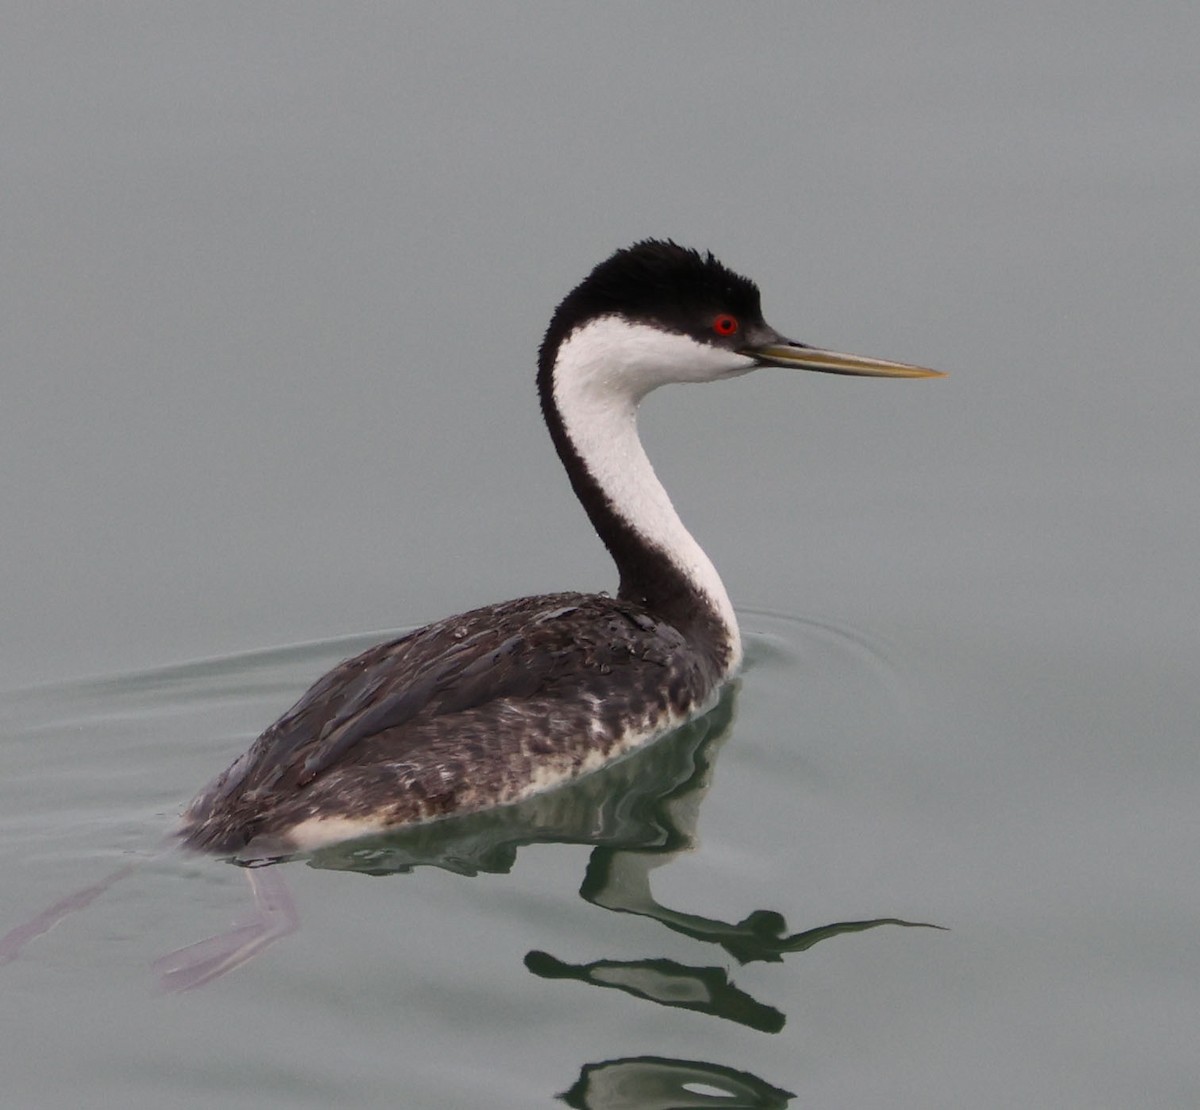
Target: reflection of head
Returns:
[659, 1081]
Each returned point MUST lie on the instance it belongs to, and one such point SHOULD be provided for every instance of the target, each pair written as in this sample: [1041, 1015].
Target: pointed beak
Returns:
[797, 356]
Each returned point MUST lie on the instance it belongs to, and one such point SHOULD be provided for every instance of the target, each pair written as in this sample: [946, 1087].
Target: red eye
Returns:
[725, 324]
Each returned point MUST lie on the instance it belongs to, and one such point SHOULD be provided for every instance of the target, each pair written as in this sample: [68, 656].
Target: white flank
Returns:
[318, 832]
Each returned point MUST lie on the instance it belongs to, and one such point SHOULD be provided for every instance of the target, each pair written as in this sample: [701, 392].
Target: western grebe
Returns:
[490, 706]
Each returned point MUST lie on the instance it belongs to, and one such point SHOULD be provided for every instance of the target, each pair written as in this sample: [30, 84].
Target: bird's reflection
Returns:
[620, 881]
[659, 1083]
[706, 990]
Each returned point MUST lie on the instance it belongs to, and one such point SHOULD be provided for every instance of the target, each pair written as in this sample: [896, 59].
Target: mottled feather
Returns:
[539, 689]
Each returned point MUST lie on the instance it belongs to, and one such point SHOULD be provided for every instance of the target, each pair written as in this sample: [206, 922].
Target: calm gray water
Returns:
[273, 282]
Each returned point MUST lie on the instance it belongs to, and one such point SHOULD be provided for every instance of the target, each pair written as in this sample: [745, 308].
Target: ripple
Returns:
[798, 655]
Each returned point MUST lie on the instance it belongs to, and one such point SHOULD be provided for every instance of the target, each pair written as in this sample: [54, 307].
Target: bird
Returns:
[488, 707]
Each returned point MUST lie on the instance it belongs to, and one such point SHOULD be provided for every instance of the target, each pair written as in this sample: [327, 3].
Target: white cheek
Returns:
[632, 359]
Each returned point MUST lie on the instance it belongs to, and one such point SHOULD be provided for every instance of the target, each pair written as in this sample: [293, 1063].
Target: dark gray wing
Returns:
[460, 678]
[515, 650]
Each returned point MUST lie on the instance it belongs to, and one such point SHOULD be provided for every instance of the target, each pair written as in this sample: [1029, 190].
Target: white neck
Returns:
[602, 372]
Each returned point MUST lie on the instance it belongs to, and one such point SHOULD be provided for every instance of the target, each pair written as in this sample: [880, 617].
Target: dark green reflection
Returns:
[658, 1083]
[706, 990]
[621, 882]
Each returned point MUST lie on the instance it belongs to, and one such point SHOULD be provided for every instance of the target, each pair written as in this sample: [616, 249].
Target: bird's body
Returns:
[477, 710]
[490, 706]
